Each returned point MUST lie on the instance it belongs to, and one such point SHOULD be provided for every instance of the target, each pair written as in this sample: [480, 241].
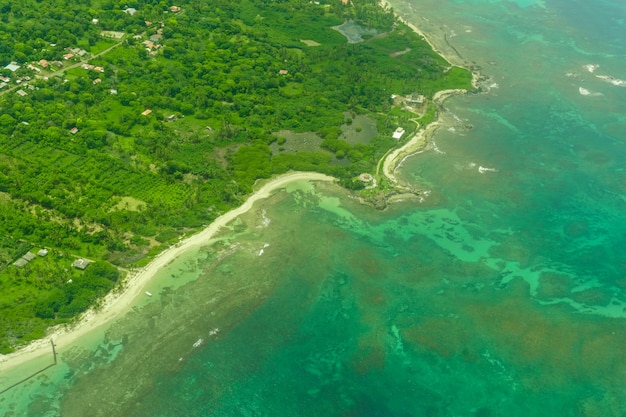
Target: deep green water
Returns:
[502, 294]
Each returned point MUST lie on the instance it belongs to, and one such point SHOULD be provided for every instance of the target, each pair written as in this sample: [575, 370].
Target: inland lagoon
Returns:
[502, 293]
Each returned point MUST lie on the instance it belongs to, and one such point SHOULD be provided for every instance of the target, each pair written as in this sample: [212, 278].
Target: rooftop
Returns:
[12, 67]
[20, 262]
[80, 263]
[398, 133]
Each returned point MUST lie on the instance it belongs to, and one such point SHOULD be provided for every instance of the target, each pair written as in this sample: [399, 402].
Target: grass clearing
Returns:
[310, 42]
[129, 204]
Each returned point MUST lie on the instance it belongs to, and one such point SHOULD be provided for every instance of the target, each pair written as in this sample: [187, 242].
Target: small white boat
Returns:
[149, 294]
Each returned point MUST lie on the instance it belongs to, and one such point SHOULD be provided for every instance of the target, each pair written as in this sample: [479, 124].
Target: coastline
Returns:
[419, 141]
[452, 61]
[118, 301]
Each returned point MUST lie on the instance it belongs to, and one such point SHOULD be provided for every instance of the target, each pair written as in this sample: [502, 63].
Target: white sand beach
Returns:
[118, 302]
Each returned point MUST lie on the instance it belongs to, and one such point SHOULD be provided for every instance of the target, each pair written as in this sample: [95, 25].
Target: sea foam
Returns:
[591, 67]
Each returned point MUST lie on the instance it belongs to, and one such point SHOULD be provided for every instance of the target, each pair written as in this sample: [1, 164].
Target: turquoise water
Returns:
[502, 294]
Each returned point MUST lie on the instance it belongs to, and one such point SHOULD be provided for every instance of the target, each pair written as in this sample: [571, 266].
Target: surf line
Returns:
[54, 356]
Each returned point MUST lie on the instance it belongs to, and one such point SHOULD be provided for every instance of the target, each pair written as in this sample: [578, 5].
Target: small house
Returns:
[42, 252]
[146, 112]
[74, 130]
[21, 93]
[20, 262]
[68, 56]
[283, 72]
[365, 177]
[415, 99]
[399, 132]
[175, 9]
[80, 263]
[12, 67]
[28, 256]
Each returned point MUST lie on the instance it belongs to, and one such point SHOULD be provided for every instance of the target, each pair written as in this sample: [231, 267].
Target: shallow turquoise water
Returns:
[501, 295]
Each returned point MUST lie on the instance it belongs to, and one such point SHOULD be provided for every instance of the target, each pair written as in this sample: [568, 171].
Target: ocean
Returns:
[503, 293]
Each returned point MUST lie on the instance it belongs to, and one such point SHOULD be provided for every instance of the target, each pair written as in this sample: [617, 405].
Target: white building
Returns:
[12, 67]
[398, 133]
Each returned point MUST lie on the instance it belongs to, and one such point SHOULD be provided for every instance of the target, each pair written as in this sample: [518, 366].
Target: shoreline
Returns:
[386, 5]
[392, 161]
[418, 142]
[117, 301]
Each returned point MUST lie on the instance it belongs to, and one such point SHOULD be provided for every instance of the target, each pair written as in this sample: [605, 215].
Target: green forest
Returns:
[125, 125]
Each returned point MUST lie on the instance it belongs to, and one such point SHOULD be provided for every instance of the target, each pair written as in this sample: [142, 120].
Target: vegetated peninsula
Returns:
[124, 126]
